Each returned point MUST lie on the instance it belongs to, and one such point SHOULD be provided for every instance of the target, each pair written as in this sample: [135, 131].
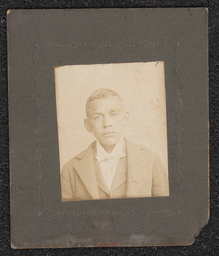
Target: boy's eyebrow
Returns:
[96, 113]
[111, 111]
[115, 110]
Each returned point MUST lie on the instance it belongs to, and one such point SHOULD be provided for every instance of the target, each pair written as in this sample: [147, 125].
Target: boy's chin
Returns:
[109, 142]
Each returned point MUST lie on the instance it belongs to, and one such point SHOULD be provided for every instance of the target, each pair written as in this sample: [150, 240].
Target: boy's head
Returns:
[106, 116]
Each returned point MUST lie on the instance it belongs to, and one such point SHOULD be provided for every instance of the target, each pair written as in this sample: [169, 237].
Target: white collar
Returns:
[117, 151]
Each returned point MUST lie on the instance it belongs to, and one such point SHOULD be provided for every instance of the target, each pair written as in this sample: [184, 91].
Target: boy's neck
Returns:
[108, 148]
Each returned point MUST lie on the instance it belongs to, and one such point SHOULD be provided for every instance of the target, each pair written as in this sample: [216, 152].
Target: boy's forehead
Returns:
[109, 103]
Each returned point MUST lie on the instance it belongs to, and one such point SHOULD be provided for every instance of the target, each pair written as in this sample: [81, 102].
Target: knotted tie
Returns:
[109, 156]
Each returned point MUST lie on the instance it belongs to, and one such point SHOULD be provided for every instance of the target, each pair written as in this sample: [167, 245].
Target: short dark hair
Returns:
[102, 93]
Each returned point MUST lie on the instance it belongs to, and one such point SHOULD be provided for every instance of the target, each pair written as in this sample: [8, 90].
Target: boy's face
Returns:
[106, 119]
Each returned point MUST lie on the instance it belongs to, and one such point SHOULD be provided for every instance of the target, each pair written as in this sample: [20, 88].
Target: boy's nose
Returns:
[107, 122]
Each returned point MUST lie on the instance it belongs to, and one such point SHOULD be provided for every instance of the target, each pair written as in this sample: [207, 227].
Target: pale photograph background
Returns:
[142, 88]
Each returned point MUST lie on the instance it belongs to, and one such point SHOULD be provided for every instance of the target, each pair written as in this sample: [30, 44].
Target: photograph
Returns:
[119, 110]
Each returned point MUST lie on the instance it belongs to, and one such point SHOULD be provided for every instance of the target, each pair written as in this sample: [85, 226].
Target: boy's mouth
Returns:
[109, 133]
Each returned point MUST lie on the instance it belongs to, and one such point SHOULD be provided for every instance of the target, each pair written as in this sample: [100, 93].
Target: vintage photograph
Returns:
[112, 130]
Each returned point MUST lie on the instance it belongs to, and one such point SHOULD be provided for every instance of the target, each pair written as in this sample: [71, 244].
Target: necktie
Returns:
[109, 156]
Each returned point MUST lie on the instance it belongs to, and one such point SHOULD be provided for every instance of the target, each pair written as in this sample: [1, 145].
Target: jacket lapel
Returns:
[137, 173]
[120, 175]
[100, 179]
[86, 171]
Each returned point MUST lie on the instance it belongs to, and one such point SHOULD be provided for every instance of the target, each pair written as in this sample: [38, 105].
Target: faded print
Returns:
[112, 130]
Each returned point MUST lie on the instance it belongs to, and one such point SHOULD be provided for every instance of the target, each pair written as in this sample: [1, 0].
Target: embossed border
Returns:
[96, 46]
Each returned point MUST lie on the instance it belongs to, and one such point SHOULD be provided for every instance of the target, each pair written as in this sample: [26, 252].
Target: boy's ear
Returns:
[126, 118]
[87, 125]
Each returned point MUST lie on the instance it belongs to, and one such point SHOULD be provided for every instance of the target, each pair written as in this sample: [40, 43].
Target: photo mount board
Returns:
[39, 40]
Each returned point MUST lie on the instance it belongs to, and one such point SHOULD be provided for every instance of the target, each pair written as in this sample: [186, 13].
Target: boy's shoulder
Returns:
[79, 156]
[138, 148]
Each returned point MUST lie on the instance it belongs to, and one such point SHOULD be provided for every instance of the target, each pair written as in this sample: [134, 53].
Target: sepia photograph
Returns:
[119, 110]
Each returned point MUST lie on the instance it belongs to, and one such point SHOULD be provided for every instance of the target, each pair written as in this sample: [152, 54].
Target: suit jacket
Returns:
[139, 174]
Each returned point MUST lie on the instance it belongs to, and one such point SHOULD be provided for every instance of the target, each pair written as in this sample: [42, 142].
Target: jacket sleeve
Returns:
[66, 184]
[160, 182]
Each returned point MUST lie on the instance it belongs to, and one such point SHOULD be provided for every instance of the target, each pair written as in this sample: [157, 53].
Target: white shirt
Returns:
[109, 161]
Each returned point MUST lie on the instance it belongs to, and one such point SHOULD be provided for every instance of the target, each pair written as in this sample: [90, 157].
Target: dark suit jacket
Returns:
[139, 174]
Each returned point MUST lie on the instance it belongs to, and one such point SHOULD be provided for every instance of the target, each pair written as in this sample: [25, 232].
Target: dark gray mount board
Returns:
[38, 40]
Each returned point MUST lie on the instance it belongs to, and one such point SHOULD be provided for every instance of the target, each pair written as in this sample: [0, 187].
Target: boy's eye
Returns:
[97, 117]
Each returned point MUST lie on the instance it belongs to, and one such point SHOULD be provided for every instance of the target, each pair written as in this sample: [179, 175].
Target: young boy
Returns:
[112, 166]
